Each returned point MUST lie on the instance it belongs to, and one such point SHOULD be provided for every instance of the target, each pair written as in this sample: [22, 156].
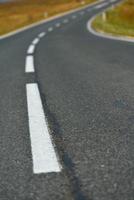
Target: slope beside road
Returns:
[82, 88]
[118, 21]
[18, 14]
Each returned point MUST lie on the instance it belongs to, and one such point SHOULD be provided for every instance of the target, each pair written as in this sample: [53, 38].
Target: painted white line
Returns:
[74, 17]
[35, 41]
[57, 25]
[44, 21]
[31, 49]
[100, 6]
[106, 35]
[50, 29]
[41, 34]
[29, 65]
[43, 153]
[65, 21]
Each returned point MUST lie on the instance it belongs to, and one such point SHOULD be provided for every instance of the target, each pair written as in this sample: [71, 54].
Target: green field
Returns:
[117, 21]
[23, 12]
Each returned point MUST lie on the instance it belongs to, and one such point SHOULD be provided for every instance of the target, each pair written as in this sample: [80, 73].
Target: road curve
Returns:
[66, 120]
[104, 34]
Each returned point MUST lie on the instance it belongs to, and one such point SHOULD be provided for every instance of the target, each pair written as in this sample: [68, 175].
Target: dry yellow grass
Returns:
[21, 13]
[119, 21]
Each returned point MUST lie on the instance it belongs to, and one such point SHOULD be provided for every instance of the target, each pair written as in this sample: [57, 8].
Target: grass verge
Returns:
[20, 13]
[117, 21]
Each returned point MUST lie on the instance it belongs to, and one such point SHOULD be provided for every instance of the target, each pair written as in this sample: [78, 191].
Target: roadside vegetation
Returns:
[117, 21]
[20, 13]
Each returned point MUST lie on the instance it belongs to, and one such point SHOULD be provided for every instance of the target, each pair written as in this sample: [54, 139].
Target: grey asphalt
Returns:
[87, 89]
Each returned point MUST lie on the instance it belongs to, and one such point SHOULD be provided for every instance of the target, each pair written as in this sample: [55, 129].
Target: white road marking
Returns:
[74, 17]
[35, 41]
[50, 29]
[57, 25]
[41, 34]
[31, 49]
[43, 153]
[29, 66]
[100, 6]
[65, 21]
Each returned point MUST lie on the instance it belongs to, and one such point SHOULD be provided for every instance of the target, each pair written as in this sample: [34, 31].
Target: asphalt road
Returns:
[86, 85]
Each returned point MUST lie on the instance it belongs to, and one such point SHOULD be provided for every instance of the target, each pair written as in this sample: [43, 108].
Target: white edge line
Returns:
[105, 35]
[29, 64]
[101, 5]
[43, 153]
[45, 21]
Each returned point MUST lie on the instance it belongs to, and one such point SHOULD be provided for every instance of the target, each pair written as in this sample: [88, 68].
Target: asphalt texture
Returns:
[87, 89]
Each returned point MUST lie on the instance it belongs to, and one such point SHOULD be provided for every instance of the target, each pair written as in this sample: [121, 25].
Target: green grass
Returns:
[20, 13]
[119, 21]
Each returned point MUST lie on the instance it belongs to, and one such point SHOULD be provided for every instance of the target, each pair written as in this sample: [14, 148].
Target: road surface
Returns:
[66, 113]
